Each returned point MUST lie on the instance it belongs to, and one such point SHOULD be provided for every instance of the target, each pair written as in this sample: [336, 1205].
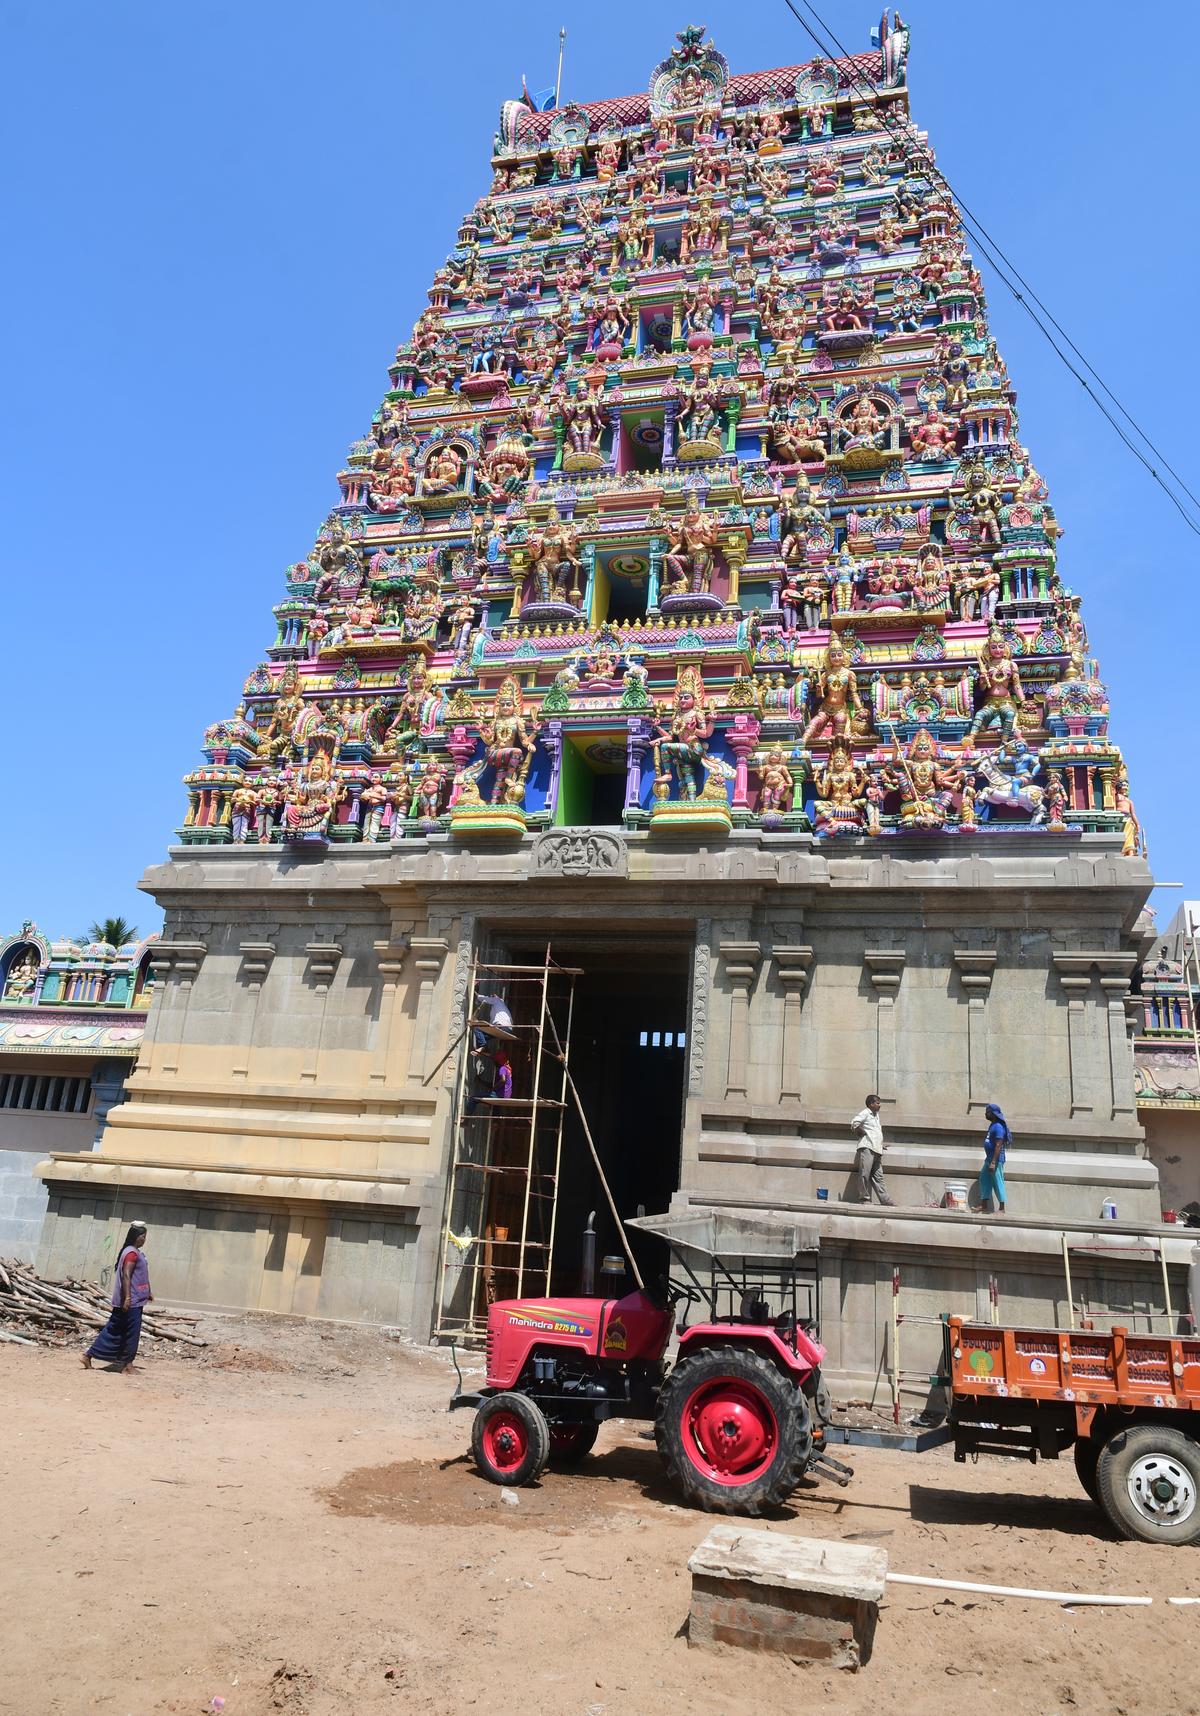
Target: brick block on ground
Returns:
[807, 1598]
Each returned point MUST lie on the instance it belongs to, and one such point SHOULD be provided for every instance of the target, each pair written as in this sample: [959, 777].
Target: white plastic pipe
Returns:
[1013, 1591]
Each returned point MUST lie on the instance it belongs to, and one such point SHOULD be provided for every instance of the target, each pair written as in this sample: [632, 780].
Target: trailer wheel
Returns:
[510, 1440]
[1149, 1483]
[570, 1443]
[734, 1433]
[1087, 1452]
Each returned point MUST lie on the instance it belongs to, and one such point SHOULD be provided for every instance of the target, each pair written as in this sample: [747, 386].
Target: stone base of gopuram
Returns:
[287, 1131]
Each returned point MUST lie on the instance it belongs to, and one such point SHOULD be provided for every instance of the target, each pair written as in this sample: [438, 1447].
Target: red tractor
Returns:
[738, 1416]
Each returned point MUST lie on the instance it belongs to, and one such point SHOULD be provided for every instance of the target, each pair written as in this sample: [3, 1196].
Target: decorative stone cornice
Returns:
[1075, 968]
[184, 958]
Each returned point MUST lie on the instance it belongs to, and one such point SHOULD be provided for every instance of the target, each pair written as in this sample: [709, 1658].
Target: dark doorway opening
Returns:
[628, 1058]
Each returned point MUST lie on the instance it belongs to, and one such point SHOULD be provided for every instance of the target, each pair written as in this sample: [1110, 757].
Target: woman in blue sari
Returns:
[995, 1149]
[118, 1339]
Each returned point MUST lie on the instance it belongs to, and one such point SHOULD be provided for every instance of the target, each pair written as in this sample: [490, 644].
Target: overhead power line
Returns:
[833, 49]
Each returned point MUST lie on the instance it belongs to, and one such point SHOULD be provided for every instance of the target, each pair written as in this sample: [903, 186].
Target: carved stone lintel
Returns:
[580, 852]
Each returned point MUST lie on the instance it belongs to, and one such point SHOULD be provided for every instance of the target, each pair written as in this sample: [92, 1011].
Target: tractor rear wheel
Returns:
[570, 1443]
[1149, 1482]
[734, 1432]
[510, 1440]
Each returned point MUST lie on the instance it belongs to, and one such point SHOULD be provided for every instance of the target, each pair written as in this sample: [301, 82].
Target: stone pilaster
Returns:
[791, 968]
[1075, 978]
[429, 953]
[975, 969]
[885, 966]
[389, 958]
[256, 962]
[174, 965]
[323, 957]
[741, 959]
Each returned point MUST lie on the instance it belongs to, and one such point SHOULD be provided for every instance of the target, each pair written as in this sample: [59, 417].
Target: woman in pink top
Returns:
[118, 1339]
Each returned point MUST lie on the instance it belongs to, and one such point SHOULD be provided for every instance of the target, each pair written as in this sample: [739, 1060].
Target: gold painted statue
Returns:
[1001, 685]
[838, 691]
[509, 740]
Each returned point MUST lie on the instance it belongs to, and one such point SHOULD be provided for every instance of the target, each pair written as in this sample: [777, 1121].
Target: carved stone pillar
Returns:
[256, 962]
[429, 952]
[174, 965]
[389, 957]
[741, 966]
[975, 968]
[885, 965]
[324, 957]
[791, 966]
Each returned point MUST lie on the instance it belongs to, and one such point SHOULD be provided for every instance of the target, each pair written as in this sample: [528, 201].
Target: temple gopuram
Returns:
[690, 615]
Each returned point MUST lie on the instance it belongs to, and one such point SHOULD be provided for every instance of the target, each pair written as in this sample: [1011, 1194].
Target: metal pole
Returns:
[1162, 1258]
[896, 1344]
[562, 37]
[1066, 1250]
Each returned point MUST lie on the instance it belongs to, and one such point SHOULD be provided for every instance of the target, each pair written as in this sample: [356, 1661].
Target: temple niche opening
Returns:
[696, 514]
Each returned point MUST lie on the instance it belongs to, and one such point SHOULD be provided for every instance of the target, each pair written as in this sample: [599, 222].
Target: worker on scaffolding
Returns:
[491, 1064]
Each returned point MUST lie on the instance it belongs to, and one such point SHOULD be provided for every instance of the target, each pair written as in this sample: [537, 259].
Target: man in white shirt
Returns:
[868, 1158]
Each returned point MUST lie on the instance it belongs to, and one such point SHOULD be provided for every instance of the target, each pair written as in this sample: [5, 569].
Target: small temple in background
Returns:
[72, 1018]
[690, 613]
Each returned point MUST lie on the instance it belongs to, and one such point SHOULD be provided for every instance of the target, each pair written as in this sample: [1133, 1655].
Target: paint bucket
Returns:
[822, 1194]
[1170, 1215]
[955, 1195]
[1108, 1211]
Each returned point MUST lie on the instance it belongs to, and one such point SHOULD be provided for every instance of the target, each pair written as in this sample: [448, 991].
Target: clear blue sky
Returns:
[222, 217]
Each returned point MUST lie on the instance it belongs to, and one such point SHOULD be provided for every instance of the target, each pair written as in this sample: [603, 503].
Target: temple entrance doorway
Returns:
[628, 1058]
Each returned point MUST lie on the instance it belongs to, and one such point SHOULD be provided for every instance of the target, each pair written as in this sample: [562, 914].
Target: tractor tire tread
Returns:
[795, 1432]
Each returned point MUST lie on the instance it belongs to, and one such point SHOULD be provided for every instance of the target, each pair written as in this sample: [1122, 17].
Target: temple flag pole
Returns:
[562, 37]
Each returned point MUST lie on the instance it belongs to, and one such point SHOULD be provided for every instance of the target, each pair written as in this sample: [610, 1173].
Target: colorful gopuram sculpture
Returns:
[700, 462]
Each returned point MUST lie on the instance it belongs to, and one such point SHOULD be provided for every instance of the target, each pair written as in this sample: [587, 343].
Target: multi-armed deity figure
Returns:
[841, 791]
[837, 689]
[1001, 686]
[682, 745]
[689, 558]
[554, 555]
[509, 739]
[925, 784]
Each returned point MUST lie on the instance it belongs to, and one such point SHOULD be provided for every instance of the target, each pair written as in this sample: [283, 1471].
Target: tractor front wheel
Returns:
[735, 1434]
[510, 1440]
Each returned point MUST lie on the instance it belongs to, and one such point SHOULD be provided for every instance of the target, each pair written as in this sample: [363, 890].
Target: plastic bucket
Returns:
[823, 1194]
[1108, 1210]
[954, 1197]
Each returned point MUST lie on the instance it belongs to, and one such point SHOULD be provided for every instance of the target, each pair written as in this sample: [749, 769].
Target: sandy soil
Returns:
[288, 1522]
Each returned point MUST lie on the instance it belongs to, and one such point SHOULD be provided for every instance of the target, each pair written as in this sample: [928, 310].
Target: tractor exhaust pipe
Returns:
[587, 1286]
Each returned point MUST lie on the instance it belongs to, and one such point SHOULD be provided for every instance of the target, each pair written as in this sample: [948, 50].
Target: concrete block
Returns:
[807, 1598]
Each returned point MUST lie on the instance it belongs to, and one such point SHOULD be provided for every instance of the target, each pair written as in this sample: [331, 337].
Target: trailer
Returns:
[1127, 1405]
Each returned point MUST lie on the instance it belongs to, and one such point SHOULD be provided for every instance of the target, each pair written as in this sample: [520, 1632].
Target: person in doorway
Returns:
[868, 1159]
[118, 1339]
[995, 1149]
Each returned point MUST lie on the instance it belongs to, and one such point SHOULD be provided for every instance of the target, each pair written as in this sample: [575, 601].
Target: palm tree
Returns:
[118, 932]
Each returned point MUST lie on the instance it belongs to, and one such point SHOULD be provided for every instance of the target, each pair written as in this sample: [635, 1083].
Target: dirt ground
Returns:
[287, 1522]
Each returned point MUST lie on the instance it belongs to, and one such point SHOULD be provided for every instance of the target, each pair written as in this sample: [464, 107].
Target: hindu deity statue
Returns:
[700, 314]
[983, 500]
[612, 327]
[444, 472]
[392, 480]
[801, 597]
[509, 741]
[776, 781]
[1000, 682]
[374, 800]
[700, 416]
[925, 784]
[837, 689]
[841, 792]
[337, 561]
[310, 799]
[277, 737]
[1007, 775]
[863, 425]
[934, 437]
[681, 748]
[1056, 801]
[557, 565]
[428, 791]
[977, 589]
[583, 418]
[889, 234]
[1134, 838]
[506, 468]
[797, 515]
[608, 159]
[242, 805]
[23, 973]
[931, 581]
[692, 543]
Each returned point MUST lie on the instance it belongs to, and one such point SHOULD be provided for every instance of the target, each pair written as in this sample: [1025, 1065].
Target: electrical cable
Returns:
[1009, 274]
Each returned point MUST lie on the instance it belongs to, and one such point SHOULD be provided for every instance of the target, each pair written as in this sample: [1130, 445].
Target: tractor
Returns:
[739, 1415]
